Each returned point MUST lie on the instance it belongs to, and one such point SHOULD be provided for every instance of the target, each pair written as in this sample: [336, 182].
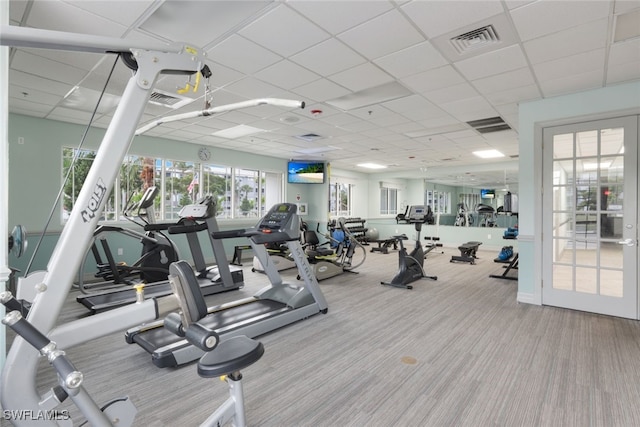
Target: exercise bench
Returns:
[468, 253]
[385, 244]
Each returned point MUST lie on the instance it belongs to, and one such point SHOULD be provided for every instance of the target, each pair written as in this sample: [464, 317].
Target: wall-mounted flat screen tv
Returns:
[487, 193]
[306, 172]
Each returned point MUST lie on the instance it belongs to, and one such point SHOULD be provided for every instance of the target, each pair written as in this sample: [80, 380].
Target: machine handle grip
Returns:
[229, 234]
[157, 227]
[26, 330]
[184, 229]
[9, 301]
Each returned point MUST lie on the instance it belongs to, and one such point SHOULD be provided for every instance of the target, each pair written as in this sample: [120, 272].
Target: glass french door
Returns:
[590, 220]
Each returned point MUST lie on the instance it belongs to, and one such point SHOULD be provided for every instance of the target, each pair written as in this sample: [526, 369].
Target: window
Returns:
[82, 160]
[216, 181]
[440, 201]
[181, 182]
[240, 193]
[247, 193]
[388, 201]
[340, 199]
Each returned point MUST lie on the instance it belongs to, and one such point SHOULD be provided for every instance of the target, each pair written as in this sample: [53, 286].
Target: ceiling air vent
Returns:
[165, 99]
[475, 39]
[488, 125]
[309, 137]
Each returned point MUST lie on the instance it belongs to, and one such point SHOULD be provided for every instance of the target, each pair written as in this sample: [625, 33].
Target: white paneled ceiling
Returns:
[391, 87]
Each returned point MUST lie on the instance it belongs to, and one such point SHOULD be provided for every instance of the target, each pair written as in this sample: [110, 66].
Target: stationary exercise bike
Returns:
[410, 266]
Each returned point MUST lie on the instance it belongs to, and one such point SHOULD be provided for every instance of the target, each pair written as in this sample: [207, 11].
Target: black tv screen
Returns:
[305, 172]
[487, 194]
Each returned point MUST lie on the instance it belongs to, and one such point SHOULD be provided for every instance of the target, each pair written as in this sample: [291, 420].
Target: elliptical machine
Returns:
[410, 266]
[157, 253]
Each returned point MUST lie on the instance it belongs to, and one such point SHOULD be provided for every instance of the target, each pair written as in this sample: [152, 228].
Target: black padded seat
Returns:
[231, 355]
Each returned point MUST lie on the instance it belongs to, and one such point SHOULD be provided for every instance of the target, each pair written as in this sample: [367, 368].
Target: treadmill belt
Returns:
[153, 339]
[117, 298]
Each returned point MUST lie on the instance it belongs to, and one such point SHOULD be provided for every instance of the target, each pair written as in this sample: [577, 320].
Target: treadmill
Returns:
[275, 306]
[219, 278]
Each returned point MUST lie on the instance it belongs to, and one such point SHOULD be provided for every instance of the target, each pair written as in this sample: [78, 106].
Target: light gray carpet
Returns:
[459, 351]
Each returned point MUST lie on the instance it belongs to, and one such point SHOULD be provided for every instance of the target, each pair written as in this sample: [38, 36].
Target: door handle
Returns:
[627, 242]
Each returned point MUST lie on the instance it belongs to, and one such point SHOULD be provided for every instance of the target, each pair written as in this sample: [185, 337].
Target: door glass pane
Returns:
[611, 226]
[611, 283]
[563, 251]
[587, 192]
[612, 141]
[562, 225]
[563, 146]
[587, 255]
[563, 277]
[587, 143]
[611, 255]
[586, 280]
[562, 172]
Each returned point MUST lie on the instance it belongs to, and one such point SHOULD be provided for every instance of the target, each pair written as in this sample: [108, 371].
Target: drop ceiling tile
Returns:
[505, 81]
[469, 109]
[519, 94]
[61, 16]
[439, 17]
[29, 108]
[540, 18]
[252, 88]
[390, 119]
[67, 114]
[624, 52]
[372, 40]
[410, 103]
[286, 74]
[361, 77]
[200, 22]
[339, 16]
[571, 65]
[572, 83]
[451, 93]
[122, 12]
[321, 90]
[38, 83]
[412, 60]
[582, 38]
[496, 62]
[433, 79]
[242, 55]
[284, 31]
[329, 57]
[82, 60]
[628, 71]
[46, 68]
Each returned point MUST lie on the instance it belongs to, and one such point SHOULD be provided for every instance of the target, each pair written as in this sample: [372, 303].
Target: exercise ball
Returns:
[372, 234]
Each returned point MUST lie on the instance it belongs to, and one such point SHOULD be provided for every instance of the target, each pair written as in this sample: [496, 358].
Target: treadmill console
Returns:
[202, 209]
[282, 219]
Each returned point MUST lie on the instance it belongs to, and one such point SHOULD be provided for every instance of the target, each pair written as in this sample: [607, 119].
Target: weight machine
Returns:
[50, 288]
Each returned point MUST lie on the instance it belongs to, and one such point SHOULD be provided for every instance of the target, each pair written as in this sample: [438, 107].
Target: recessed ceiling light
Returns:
[488, 154]
[371, 166]
[237, 131]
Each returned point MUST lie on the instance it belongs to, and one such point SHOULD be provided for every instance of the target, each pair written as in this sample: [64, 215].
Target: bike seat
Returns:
[229, 356]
